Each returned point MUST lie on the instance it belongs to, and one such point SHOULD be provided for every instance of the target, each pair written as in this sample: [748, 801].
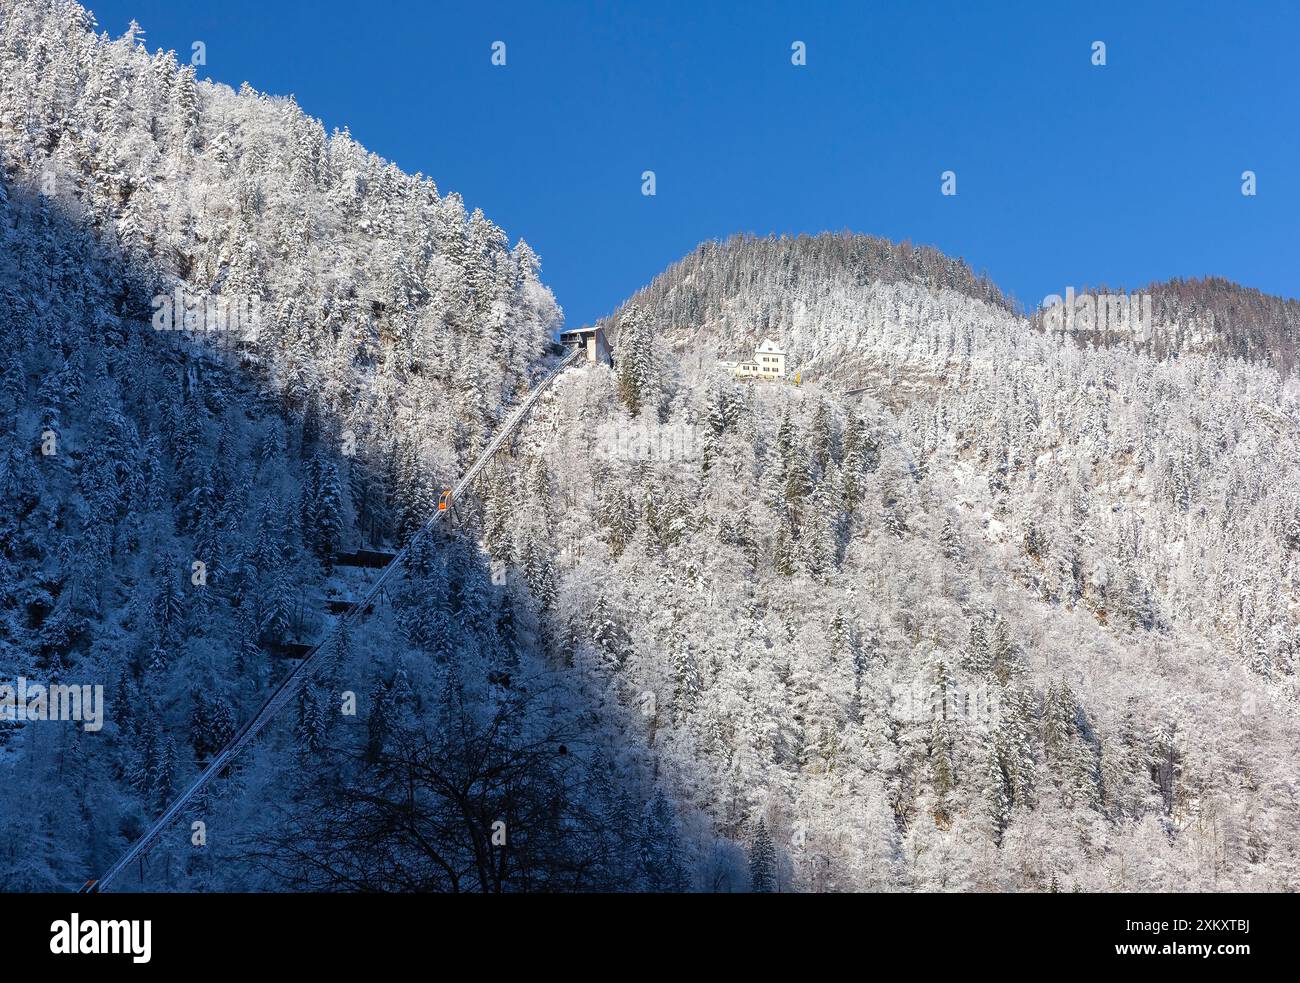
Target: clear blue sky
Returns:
[1067, 174]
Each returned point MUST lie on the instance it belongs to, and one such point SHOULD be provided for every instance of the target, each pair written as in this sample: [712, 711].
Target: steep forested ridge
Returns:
[438, 751]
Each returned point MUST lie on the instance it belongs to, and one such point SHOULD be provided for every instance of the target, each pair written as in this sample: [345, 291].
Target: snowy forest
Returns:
[966, 605]
[394, 328]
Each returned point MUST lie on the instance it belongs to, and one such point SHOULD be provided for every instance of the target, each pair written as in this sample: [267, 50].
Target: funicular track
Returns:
[315, 659]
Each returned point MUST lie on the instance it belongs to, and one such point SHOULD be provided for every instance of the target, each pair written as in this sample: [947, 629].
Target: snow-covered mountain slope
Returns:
[1019, 615]
[1024, 614]
[175, 501]
[831, 297]
[373, 289]
[828, 298]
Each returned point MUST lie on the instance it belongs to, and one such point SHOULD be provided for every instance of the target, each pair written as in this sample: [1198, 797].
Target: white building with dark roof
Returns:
[768, 363]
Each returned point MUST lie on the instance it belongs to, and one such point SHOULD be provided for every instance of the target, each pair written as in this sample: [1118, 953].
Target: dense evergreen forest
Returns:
[1021, 615]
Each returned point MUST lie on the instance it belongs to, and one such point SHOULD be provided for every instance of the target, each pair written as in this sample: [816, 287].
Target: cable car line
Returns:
[314, 661]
